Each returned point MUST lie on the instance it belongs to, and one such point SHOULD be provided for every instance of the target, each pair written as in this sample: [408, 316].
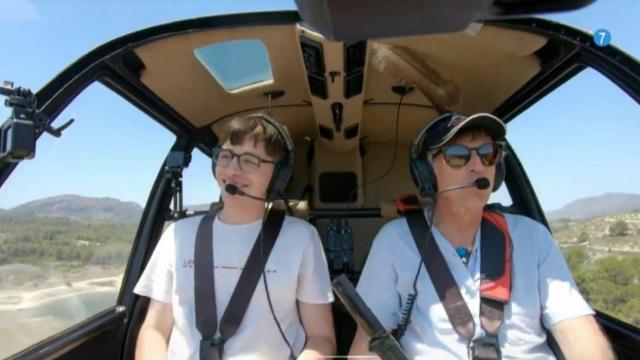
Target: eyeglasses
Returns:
[458, 155]
[247, 162]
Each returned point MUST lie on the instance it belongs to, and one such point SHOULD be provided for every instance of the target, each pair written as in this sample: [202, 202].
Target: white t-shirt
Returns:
[543, 291]
[296, 270]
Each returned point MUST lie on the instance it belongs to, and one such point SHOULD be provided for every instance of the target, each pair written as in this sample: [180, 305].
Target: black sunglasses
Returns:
[457, 155]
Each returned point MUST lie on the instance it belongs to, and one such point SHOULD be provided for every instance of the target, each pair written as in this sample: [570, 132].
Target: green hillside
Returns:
[596, 233]
[604, 256]
[59, 243]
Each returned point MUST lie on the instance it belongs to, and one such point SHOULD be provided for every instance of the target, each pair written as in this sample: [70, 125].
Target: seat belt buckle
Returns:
[212, 349]
[485, 348]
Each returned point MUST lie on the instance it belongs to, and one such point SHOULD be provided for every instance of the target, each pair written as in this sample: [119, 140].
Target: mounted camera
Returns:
[176, 161]
[18, 133]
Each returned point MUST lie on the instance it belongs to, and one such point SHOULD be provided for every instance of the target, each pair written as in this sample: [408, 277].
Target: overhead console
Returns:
[335, 78]
[335, 73]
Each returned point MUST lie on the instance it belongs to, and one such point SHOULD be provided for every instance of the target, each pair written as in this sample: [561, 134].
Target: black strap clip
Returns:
[485, 348]
[212, 349]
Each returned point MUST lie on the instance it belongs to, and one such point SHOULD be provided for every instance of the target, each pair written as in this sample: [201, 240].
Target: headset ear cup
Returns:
[498, 179]
[421, 170]
[284, 167]
[274, 185]
[280, 178]
[414, 175]
[423, 177]
[429, 179]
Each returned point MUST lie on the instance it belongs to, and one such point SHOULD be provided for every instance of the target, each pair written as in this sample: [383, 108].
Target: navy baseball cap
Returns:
[444, 127]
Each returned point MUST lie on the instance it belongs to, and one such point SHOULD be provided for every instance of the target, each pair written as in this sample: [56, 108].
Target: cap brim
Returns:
[491, 124]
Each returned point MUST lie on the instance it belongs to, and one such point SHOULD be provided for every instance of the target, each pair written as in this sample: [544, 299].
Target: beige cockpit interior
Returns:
[339, 103]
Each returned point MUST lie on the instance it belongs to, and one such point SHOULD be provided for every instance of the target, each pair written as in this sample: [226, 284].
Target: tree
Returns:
[614, 270]
[576, 257]
[619, 228]
[583, 237]
[631, 312]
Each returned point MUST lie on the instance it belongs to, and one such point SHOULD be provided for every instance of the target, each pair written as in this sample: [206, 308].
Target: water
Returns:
[24, 327]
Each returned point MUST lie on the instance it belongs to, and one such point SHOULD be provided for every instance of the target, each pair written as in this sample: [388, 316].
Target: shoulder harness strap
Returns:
[204, 290]
[495, 267]
[212, 345]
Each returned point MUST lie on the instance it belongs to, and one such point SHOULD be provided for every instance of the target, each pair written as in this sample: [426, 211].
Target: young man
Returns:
[450, 156]
[292, 315]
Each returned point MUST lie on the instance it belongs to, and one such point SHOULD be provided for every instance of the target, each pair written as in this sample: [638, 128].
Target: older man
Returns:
[427, 279]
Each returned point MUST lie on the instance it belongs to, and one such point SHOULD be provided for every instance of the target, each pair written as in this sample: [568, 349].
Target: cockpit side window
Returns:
[68, 217]
[579, 148]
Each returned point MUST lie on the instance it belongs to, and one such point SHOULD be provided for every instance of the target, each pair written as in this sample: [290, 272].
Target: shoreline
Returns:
[16, 299]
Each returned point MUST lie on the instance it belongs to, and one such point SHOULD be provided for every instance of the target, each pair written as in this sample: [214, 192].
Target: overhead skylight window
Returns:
[237, 64]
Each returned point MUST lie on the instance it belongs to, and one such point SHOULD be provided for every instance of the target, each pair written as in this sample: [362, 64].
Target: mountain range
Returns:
[107, 209]
[589, 207]
[80, 208]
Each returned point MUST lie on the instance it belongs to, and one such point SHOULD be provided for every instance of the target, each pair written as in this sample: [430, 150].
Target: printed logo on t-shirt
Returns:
[188, 264]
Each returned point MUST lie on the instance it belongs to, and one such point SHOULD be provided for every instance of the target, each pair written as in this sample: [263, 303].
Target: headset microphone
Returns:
[480, 183]
[234, 190]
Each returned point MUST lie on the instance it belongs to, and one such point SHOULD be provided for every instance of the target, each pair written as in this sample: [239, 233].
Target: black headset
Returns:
[422, 172]
[283, 168]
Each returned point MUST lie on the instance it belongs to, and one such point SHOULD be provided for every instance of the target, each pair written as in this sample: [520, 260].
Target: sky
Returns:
[40, 38]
